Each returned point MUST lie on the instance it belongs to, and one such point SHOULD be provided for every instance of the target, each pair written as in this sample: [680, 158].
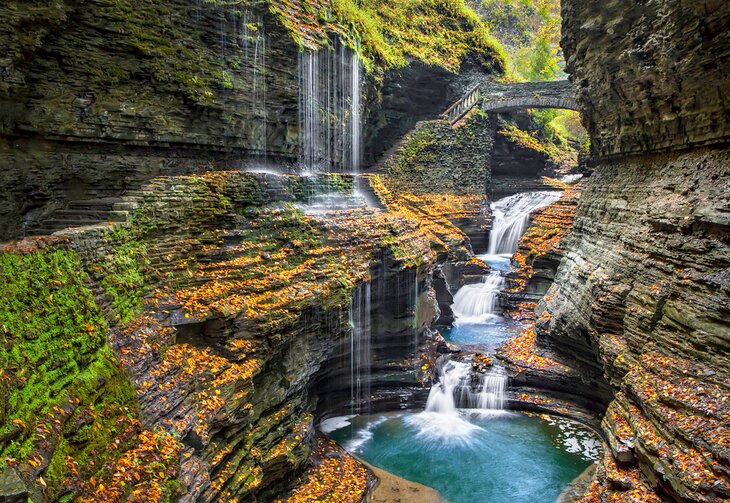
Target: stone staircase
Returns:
[453, 114]
[82, 213]
[458, 110]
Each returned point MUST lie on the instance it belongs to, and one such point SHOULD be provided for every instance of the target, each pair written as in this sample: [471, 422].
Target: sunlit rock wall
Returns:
[642, 292]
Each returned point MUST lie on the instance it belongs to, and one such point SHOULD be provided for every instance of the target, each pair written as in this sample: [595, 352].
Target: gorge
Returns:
[343, 251]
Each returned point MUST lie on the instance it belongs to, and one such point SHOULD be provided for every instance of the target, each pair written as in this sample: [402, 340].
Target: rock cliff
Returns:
[96, 99]
[641, 295]
[197, 337]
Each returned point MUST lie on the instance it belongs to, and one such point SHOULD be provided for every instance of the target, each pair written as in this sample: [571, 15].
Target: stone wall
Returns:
[642, 293]
[438, 157]
[98, 98]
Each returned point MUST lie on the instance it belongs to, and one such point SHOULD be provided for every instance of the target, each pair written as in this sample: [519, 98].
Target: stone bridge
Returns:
[494, 97]
[508, 97]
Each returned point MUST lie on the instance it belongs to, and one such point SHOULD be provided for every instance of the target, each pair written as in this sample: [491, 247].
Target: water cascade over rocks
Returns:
[478, 302]
[458, 388]
[475, 303]
[360, 347]
[512, 216]
[329, 110]
[477, 306]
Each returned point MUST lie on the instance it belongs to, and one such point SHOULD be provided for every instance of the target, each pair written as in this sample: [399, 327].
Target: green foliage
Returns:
[530, 31]
[52, 330]
[389, 33]
[561, 154]
[543, 61]
[104, 413]
[562, 127]
[123, 275]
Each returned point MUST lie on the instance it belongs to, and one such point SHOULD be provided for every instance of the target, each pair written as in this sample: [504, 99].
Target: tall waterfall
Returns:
[460, 388]
[329, 109]
[512, 216]
[360, 347]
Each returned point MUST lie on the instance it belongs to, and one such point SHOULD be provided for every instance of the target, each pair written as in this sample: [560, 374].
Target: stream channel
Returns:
[465, 444]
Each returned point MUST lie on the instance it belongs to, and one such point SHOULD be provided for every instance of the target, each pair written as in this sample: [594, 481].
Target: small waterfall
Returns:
[512, 216]
[330, 84]
[476, 303]
[360, 347]
[460, 388]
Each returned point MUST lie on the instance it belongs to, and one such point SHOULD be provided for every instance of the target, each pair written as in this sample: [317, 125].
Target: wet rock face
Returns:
[107, 95]
[642, 293]
[652, 74]
[402, 307]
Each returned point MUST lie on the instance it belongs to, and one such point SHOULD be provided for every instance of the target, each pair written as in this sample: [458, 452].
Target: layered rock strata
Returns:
[641, 294]
[192, 335]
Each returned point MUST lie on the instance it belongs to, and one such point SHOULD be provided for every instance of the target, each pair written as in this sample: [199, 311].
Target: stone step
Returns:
[81, 215]
[94, 204]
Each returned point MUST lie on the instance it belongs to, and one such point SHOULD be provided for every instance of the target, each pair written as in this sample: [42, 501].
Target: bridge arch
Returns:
[523, 95]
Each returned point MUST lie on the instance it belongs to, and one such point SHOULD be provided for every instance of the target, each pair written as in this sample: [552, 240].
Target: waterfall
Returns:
[479, 302]
[512, 216]
[415, 312]
[259, 90]
[360, 347]
[460, 388]
[330, 126]
[476, 303]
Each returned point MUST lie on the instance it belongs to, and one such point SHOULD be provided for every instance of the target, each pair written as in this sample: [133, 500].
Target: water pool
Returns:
[473, 457]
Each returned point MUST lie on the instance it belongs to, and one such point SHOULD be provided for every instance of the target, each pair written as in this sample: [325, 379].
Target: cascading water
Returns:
[475, 303]
[461, 388]
[478, 302]
[360, 348]
[476, 316]
[512, 216]
[329, 109]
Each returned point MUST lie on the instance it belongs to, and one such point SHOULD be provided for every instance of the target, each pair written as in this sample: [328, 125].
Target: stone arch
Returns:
[510, 97]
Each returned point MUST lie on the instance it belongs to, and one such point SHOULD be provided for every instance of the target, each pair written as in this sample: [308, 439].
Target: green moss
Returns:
[123, 275]
[437, 155]
[305, 188]
[52, 330]
[106, 413]
[389, 33]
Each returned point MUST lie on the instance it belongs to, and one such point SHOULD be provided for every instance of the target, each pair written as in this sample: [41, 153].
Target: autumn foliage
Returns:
[335, 477]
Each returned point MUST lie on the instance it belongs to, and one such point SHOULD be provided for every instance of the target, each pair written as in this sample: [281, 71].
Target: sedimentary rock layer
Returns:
[651, 74]
[643, 294]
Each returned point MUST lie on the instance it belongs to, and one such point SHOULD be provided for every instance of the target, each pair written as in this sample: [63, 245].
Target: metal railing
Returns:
[459, 109]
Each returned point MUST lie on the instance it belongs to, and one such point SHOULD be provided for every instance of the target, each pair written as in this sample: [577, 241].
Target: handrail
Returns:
[462, 106]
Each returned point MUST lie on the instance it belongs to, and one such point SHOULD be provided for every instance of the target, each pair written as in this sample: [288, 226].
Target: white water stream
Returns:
[512, 216]
[458, 387]
[330, 84]
[478, 302]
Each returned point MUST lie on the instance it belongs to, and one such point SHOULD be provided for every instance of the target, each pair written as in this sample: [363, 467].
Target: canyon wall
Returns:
[641, 295]
[189, 335]
[96, 99]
